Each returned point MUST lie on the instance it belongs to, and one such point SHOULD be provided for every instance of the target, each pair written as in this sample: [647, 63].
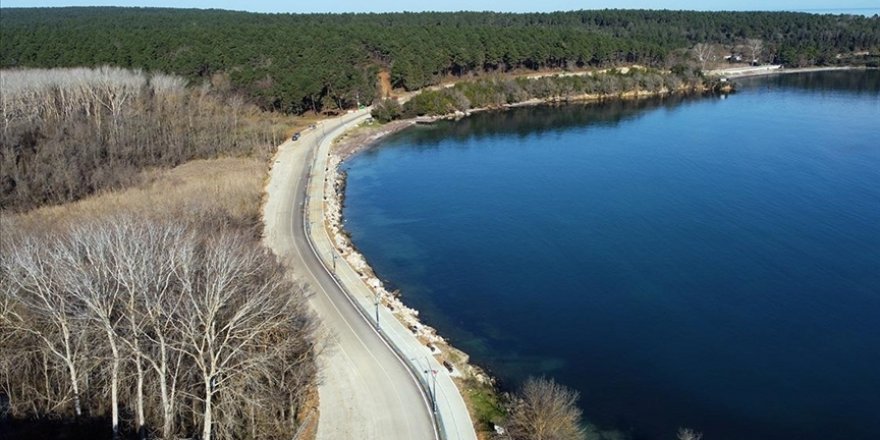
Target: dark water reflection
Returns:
[711, 263]
[535, 120]
[848, 81]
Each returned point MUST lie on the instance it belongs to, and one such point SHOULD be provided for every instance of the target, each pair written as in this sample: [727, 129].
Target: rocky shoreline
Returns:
[348, 145]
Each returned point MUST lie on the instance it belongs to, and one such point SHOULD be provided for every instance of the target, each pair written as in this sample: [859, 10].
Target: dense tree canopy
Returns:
[296, 63]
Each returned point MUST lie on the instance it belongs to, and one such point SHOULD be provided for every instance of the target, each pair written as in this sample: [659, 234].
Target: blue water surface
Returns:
[702, 262]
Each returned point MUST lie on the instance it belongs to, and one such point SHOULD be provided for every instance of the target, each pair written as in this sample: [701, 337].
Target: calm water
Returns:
[868, 12]
[711, 263]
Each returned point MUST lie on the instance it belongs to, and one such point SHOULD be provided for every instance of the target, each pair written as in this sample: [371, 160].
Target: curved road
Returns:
[366, 391]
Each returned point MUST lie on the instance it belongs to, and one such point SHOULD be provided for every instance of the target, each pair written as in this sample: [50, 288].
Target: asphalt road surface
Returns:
[366, 391]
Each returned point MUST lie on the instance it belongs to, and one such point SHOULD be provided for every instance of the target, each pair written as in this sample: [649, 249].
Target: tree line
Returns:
[325, 62]
[67, 133]
[161, 328]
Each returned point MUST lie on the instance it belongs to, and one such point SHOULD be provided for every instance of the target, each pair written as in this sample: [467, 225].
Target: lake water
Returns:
[867, 12]
[703, 262]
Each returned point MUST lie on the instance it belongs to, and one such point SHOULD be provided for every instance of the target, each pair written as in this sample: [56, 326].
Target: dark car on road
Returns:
[295, 136]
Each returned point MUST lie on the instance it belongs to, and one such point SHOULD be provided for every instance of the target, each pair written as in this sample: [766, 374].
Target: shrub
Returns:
[546, 410]
[387, 110]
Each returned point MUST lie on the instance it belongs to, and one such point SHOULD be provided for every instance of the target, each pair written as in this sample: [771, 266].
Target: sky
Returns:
[458, 5]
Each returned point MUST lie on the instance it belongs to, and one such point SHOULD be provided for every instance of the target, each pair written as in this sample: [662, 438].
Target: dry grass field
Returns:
[213, 190]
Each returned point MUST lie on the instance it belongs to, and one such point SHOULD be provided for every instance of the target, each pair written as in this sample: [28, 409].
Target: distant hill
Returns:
[296, 63]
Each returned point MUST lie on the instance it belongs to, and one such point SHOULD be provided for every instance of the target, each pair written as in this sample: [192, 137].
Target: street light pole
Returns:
[377, 310]
[433, 386]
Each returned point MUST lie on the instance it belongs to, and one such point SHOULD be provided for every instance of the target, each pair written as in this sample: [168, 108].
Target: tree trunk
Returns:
[167, 404]
[207, 420]
[114, 384]
[141, 428]
[45, 381]
[253, 423]
[167, 414]
[71, 369]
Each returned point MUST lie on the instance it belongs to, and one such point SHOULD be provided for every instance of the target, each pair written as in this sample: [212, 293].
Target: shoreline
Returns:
[346, 148]
[395, 381]
[334, 201]
[750, 72]
[354, 142]
[360, 139]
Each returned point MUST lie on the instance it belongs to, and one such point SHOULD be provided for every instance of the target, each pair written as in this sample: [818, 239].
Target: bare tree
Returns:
[688, 434]
[149, 312]
[238, 301]
[755, 47]
[160, 309]
[144, 263]
[704, 53]
[69, 132]
[86, 267]
[546, 410]
[35, 304]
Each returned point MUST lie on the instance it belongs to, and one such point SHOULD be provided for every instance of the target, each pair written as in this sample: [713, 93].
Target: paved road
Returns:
[453, 418]
[366, 391]
[747, 71]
